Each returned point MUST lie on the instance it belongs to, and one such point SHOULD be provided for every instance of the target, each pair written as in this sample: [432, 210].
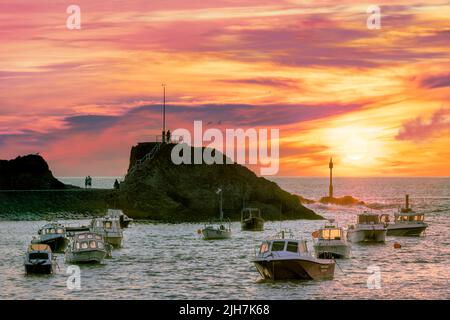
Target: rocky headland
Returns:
[159, 189]
[154, 188]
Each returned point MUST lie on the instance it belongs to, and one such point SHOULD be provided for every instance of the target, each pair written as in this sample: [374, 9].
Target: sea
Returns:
[171, 261]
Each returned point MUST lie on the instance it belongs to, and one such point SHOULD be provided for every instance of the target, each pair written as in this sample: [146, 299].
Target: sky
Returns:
[377, 101]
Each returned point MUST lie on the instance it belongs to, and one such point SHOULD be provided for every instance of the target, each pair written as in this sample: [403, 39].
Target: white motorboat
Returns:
[406, 222]
[118, 214]
[219, 230]
[330, 242]
[289, 259]
[86, 247]
[369, 228]
[216, 232]
[109, 228]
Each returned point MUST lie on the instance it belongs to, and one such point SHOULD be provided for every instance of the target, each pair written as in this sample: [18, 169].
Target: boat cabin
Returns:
[409, 217]
[88, 241]
[109, 225]
[331, 233]
[367, 218]
[51, 229]
[283, 245]
[250, 213]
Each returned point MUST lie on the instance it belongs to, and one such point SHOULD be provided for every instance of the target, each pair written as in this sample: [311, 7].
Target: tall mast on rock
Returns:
[164, 107]
[330, 165]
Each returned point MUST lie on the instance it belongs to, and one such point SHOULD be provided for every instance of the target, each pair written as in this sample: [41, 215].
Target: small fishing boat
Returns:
[406, 222]
[110, 229]
[330, 242]
[39, 259]
[86, 247]
[289, 259]
[251, 220]
[54, 235]
[217, 231]
[118, 214]
[221, 229]
[369, 228]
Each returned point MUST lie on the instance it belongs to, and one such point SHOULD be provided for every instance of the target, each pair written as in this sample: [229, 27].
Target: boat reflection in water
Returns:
[289, 259]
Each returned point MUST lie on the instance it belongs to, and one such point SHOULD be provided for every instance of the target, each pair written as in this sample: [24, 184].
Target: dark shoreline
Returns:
[58, 204]
[79, 203]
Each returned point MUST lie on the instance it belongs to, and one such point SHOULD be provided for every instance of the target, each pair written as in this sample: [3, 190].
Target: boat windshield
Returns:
[368, 219]
[89, 244]
[278, 245]
[330, 234]
[38, 255]
[292, 246]
[108, 225]
[417, 217]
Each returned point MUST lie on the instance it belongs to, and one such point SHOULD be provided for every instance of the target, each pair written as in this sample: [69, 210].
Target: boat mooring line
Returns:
[339, 267]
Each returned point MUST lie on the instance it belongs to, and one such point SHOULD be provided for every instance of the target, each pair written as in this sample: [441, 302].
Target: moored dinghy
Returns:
[86, 247]
[289, 259]
[54, 235]
[39, 259]
[330, 242]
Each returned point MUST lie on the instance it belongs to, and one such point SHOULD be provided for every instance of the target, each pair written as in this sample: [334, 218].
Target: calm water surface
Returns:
[170, 261]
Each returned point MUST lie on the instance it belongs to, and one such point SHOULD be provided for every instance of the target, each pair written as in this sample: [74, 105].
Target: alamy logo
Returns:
[74, 280]
[374, 278]
[234, 146]
[74, 20]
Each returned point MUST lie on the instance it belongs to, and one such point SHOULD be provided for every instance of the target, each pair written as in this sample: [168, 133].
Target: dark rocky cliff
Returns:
[162, 190]
[29, 172]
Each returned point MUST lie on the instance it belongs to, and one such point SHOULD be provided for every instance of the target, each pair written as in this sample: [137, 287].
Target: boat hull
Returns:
[38, 268]
[85, 257]
[333, 251]
[215, 234]
[115, 241]
[252, 224]
[367, 235]
[57, 244]
[406, 231]
[294, 269]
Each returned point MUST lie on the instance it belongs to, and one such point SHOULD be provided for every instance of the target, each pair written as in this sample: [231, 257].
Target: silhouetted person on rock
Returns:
[116, 185]
[168, 136]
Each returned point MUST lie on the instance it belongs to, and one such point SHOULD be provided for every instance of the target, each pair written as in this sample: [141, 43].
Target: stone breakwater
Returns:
[54, 204]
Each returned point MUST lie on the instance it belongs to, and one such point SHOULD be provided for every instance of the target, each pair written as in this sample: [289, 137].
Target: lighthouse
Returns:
[330, 165]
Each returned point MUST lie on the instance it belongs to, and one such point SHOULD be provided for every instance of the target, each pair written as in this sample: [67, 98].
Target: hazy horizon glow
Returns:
[377, 101]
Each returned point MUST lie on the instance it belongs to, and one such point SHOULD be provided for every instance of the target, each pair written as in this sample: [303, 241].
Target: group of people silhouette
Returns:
[88, 182]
